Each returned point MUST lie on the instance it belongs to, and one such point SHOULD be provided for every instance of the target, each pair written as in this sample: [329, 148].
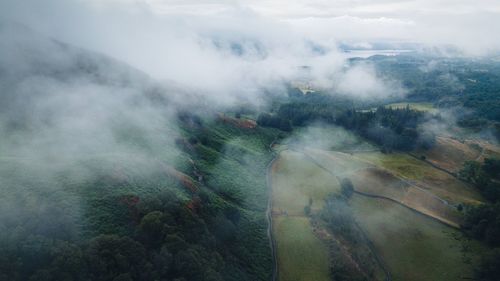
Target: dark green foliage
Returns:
[300, 114]
[137, 223]
[153, 227]
[484, 177]
[232, 162]
[489, 269]
[338, 216]
[390, 128]
[110, 256]
[472, 172]
[483, 222]
[307, 210]
[347, 189]
[268, 120]
[492, 167]
[496, 131]
[169, 242]
[450, 82]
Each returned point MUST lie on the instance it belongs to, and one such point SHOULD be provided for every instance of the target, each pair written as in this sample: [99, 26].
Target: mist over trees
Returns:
[392, 129]
[125, 166]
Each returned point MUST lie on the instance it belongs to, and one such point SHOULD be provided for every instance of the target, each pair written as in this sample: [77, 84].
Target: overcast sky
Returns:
[469, 24]
[189, 42]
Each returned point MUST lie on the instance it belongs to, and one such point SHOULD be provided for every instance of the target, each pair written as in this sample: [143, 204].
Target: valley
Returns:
[264, 158]
[405, 208]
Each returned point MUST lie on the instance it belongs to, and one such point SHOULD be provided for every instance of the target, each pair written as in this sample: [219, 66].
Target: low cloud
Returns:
[225, 56]
[362, 81]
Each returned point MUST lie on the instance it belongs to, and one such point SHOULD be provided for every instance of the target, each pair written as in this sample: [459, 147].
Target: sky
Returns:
[468, 24]
[192, 43]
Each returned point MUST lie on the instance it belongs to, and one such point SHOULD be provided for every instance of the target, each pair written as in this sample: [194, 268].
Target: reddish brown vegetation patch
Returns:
[183, 179]
[377, 182]
[240, 123]
[194, 204]
[450, 154]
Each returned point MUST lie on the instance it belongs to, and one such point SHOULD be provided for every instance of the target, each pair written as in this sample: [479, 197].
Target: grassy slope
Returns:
[451, 153]
[296, 180]
[367, 177]
[414, 247]
[234, 162]
[301, 255]
[436, 181]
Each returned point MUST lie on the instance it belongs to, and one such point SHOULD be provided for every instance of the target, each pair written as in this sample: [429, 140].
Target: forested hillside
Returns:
[104, 177]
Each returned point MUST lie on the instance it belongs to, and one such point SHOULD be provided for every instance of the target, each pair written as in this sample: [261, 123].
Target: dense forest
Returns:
[104, 177]
[142, 225]
[483, 222]
[392, 129]
[448, 82]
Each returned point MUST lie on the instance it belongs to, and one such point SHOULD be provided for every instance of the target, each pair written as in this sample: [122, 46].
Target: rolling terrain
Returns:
[405, 208]
[107, 174]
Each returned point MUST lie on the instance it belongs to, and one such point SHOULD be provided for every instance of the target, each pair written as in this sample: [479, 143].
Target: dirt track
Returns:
[269, 214]
[429, 215]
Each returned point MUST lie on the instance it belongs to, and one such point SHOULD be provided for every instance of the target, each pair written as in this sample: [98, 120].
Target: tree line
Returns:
[482, 222]
[167, 240]
[391, 128]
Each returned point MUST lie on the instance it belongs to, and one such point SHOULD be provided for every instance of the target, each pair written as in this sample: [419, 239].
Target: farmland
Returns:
[401, 204]
[301, 255]
[450, 153]
[413, 246]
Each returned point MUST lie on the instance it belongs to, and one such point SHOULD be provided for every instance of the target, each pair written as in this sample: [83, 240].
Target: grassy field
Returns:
[413, 246]
[450, 154]
[368, 177]
[422, 106]
[301, 255]
[399, 163]
[438, 182]
[296, 180]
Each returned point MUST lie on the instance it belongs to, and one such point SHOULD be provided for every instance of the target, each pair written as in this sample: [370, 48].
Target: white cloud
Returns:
[362, 81]
[469, 24]
[235, 48]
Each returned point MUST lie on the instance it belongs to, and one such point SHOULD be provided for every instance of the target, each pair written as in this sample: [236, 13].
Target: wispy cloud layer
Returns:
[230, 49]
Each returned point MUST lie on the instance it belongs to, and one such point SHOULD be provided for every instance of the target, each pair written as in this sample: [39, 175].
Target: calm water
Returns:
[369, 53]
